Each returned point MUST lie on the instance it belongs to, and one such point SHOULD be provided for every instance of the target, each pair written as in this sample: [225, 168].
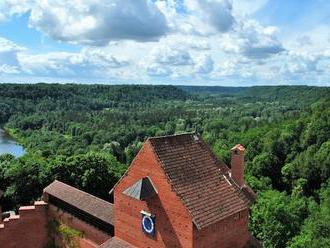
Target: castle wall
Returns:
[228, 233]
[173, 224]
[92, 237]
[28, 229]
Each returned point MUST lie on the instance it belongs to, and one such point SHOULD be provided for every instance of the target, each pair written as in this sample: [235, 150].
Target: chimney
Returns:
[237, 164]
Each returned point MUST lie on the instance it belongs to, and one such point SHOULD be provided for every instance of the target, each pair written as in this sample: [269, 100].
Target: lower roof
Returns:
[116, 243]
[85, 202]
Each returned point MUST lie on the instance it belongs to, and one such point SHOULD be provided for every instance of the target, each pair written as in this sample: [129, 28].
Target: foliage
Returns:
[95, 173]
[87, 135]
[316, 229]
[68, 235]
[276, 217]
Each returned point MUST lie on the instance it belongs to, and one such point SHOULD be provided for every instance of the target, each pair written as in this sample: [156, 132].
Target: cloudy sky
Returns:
[197, 42]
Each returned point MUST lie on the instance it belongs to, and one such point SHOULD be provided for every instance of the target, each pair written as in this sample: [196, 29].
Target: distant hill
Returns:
[286, 92]
[260, 93]
[211, 89]
[111, 92]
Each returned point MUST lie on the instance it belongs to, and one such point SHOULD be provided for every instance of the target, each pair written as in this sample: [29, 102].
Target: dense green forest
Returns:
[87, 135]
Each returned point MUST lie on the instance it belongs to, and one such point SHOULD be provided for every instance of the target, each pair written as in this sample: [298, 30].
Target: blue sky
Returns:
[196, 42]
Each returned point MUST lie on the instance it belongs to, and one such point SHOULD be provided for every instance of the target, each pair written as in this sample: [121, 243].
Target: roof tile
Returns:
[201, 181]
[116, 243]
[90, 204]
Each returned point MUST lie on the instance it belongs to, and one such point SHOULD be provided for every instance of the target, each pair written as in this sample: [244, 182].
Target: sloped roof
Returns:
[115, 242]
[88, 203]
[200, 180]
[142, 189]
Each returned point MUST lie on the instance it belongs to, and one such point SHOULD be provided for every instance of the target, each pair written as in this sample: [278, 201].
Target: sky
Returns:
[186, 42]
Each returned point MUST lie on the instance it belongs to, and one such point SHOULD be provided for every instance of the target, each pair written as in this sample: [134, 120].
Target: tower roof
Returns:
[141, 190]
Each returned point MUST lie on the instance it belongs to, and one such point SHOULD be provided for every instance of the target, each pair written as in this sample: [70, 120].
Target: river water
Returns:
[9, 145]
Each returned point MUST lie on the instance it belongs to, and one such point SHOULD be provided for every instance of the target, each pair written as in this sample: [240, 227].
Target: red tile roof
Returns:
[116, 243]
[90, 204]
[201, 181]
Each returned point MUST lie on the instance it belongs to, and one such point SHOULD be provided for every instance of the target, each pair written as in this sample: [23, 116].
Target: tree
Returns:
[26, 178]
[95, 173]
[315, 232]
[276, 218]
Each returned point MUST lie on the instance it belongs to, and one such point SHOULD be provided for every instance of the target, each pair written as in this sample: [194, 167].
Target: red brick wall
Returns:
[173, 224]
[231, 232]
[92, 236]
[27, 230]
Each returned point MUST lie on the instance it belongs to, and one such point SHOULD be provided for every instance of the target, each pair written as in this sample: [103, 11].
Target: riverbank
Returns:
[13, 133]
[11, 142]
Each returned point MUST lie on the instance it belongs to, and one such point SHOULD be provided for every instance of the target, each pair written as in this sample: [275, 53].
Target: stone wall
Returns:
[228, 233]
[92, 237]
[28, 229]
[31, 228]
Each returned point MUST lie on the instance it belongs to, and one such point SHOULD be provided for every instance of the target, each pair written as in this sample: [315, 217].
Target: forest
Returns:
[87, 135]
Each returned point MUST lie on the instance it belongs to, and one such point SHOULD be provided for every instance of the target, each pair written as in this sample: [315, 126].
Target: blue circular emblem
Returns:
[148, 224]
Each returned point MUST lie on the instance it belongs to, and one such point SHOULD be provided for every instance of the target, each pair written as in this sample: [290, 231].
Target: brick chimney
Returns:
[237, 164]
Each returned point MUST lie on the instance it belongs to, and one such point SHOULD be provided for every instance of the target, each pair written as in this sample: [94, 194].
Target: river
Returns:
[9, 145]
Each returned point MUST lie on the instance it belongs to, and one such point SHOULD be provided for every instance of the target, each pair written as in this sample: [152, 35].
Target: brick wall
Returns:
[28, 229]
[172, 222]
[93, 237]
[228, 233]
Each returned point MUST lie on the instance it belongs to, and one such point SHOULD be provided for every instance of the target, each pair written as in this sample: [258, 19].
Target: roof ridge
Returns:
[81, 191]
[172, 135]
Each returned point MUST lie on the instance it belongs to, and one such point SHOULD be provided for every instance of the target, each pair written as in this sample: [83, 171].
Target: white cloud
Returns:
[2, 17]
[8, 56]
[218, 13]
[202, 41]
[315, 40]
[199, 44]
[248, 7]
[98, 57]
[96, 22]
[208, 17]
[9, 8]
[252, 41]
[167, 55]
[158, 71]
[89, 62]
[204, 64]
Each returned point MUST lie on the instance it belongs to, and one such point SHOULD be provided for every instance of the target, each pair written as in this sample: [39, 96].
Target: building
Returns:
[176, 193]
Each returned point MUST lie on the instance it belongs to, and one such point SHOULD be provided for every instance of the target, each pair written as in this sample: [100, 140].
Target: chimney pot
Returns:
[237, 164]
